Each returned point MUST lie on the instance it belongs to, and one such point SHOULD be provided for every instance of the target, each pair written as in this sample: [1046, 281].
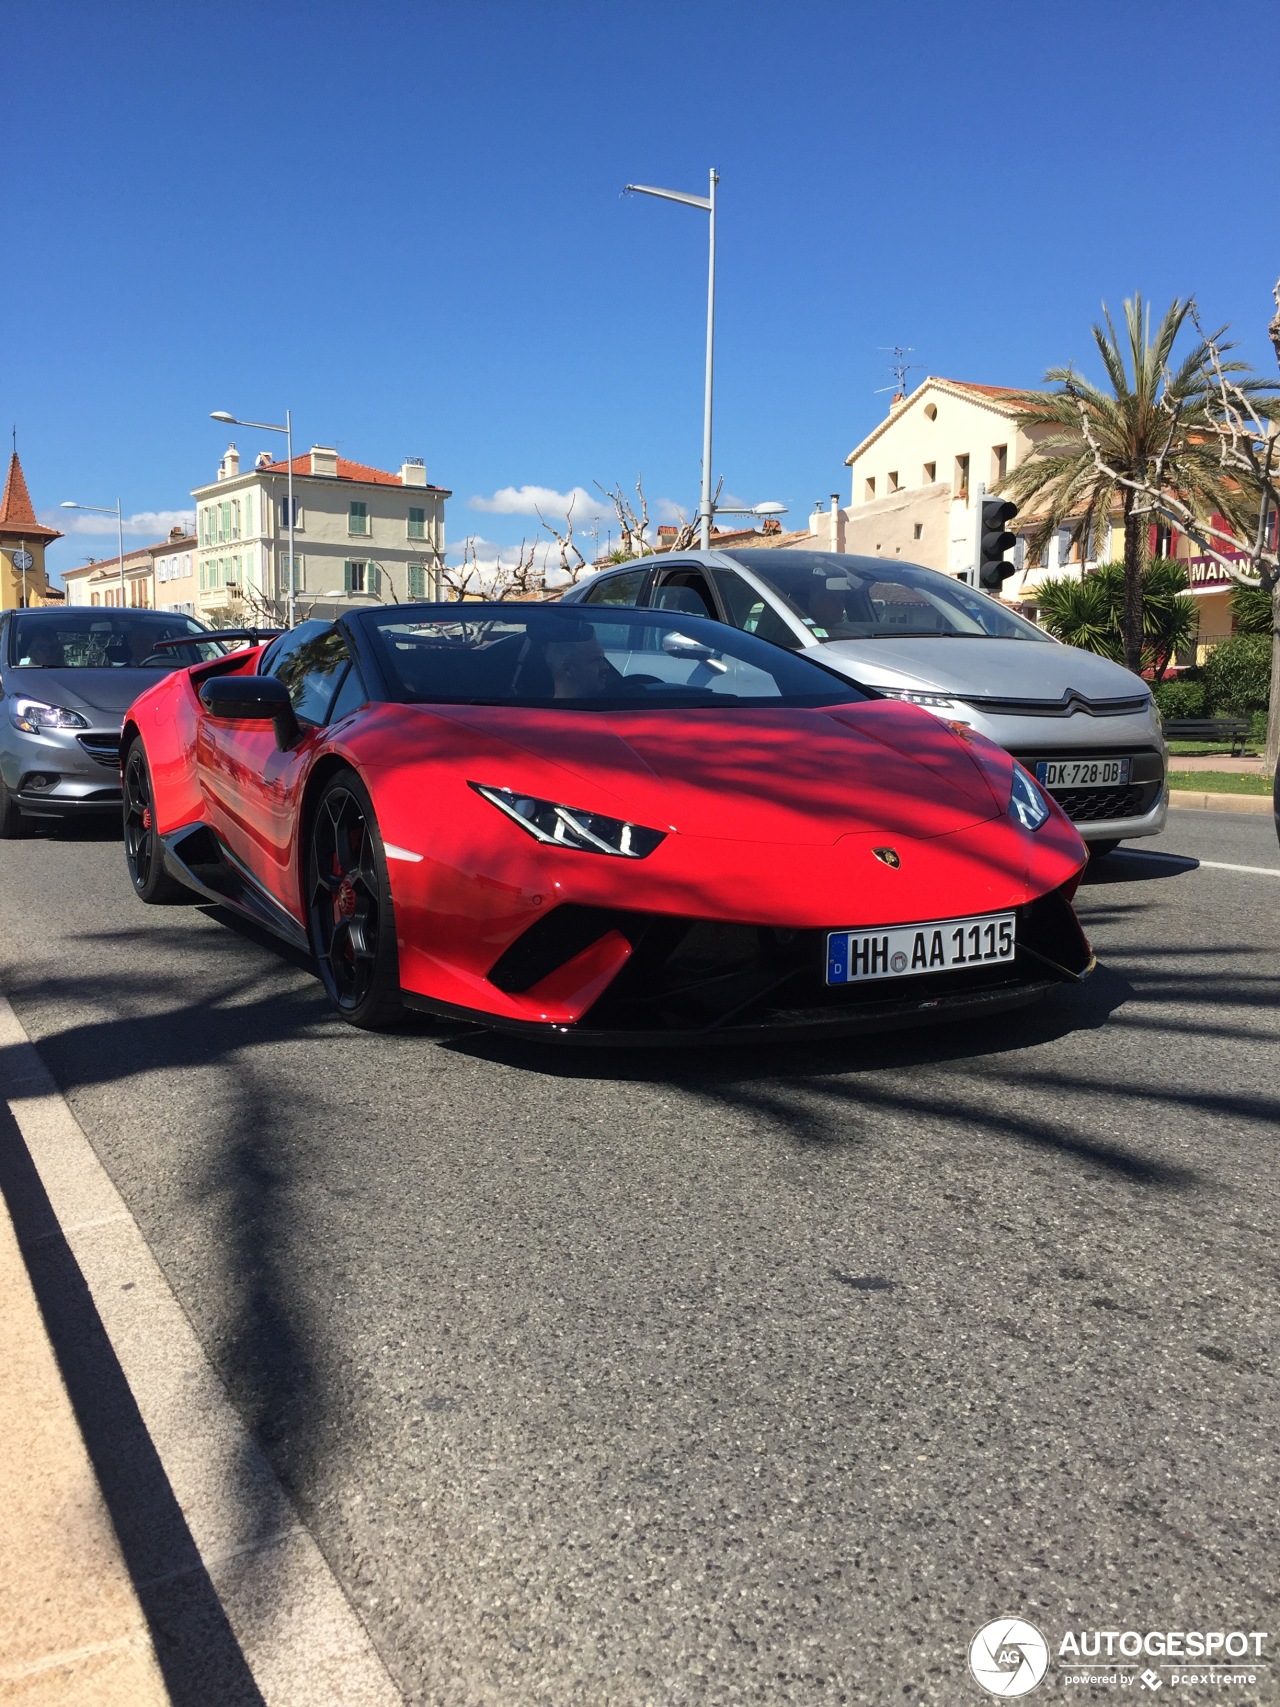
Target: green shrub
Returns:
[1237, 676]
[1258, 729]
[1179, 698]
[1251, 610]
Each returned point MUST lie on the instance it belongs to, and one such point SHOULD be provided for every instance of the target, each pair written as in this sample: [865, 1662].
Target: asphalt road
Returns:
[728, 1378]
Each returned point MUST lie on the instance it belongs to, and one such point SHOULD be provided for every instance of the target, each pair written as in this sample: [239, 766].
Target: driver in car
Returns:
[579, 668]
[45, 654]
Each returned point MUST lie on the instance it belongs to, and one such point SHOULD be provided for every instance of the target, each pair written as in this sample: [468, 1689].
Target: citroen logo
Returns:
[887, 856]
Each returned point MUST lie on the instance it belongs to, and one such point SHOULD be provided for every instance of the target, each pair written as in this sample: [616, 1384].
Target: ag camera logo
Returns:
[1008, 1657]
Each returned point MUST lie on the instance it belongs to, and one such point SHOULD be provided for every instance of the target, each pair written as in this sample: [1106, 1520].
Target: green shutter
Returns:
[417, 581]
[417, 524]
[372, 578]
[346, 577]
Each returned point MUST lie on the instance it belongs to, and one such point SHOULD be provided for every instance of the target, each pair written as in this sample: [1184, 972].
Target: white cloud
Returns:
[147, 524]
[530, 500]
[668, 511]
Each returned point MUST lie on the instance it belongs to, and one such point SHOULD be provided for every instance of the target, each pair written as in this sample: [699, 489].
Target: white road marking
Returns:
[1210, 864]
[1257, 870]
[393, 852]
[303, 1641]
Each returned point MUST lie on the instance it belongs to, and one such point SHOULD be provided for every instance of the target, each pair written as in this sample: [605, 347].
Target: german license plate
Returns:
[1083, 773]
[905, 951]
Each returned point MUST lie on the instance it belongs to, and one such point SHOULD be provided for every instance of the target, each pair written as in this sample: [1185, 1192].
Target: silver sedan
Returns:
[67, 677]
[1084, 727]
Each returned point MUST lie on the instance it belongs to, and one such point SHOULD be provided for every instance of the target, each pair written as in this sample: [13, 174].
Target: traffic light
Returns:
[994, 539]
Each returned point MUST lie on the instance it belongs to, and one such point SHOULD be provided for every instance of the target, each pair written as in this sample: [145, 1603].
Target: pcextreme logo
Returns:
[1010, 1657]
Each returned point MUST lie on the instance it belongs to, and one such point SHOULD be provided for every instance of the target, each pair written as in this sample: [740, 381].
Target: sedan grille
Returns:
[102, 749]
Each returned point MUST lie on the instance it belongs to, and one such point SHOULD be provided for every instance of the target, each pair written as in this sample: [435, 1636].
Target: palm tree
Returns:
[1150, 426]
[1087, 613]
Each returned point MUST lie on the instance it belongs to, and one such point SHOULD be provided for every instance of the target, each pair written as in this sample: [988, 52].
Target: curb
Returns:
[242, 1605]
[1195, 802]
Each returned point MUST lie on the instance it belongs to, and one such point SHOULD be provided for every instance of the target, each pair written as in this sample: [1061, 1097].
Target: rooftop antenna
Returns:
[901, 367]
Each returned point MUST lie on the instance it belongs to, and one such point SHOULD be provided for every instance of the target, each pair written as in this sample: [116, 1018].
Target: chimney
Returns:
[229, 467]
[896, 401]
[176, 534]
[413, 472]
[835, 525]
[324, 461]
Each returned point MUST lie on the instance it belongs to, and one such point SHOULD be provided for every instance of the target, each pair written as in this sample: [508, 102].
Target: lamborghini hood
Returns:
[782, 776]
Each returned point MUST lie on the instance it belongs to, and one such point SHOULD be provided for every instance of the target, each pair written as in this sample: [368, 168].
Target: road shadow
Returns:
[1136, 865]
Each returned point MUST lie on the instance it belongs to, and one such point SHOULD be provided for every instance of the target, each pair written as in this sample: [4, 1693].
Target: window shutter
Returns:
[417, 581]
[346, 577]
[372, 578]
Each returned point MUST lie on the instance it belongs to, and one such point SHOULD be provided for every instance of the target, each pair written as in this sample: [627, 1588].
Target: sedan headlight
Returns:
[34, 716]
[571, 827]
[1026, 803]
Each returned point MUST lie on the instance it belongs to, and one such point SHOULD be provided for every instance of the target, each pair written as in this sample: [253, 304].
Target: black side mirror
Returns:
[252, 699]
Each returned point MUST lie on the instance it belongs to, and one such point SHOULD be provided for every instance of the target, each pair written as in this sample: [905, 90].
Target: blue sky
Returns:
[404, 222]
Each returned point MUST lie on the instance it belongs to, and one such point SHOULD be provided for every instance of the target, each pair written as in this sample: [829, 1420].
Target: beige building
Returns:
[175, 573]
[915, 480]
[148, 581]
[23, 580]
[360, 534]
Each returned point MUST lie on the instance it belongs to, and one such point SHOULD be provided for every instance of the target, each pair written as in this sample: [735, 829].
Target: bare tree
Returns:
[572, 565]
[633, 527]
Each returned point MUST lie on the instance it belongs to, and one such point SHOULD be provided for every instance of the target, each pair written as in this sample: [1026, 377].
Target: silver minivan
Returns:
[1085, 728]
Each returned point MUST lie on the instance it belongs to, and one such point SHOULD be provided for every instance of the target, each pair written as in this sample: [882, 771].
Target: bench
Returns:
[1234, 730]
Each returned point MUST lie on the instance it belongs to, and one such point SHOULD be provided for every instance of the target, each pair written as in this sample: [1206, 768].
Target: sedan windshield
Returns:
[872, 598]
[106, 640]
[578, 659]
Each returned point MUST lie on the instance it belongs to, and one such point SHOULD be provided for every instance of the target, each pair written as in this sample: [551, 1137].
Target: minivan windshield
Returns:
[579, 659]
[873, 598]
[106, 640]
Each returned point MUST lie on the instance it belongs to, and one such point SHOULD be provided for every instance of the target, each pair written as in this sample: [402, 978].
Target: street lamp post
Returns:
[98, 510]
[708, 205]
[287, 430]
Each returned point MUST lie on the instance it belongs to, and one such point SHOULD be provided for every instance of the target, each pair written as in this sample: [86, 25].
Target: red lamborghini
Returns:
[601, 824]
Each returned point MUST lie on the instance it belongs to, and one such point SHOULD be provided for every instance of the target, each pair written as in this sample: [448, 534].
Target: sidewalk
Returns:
[1217, 762]
[71, 1629]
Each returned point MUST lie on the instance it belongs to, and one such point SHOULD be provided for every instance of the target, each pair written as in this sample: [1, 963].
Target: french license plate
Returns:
[1083, 773]
[904, 951]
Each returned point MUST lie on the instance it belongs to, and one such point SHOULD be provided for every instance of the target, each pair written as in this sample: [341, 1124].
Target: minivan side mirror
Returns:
[252, 699]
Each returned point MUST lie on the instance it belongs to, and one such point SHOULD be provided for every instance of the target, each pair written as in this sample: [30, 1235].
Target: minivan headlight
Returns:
[1026, 803]
[931, 701]
[570, 826]
[33, 716]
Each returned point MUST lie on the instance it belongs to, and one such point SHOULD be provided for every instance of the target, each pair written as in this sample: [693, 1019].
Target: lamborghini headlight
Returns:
[571, 827]
[1026, 803]
[33, 716]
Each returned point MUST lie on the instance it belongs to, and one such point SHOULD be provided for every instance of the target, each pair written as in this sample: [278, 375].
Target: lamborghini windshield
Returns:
[872, 598]
[106, 640]
[573, 658]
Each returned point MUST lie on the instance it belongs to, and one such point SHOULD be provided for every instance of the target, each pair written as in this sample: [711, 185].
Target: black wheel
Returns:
[142, 851]
[1100, 850]
[353, 933]
[12, 824]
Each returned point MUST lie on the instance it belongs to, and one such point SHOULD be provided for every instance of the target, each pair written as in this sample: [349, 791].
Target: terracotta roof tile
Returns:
[346, 471]
[16, 512]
